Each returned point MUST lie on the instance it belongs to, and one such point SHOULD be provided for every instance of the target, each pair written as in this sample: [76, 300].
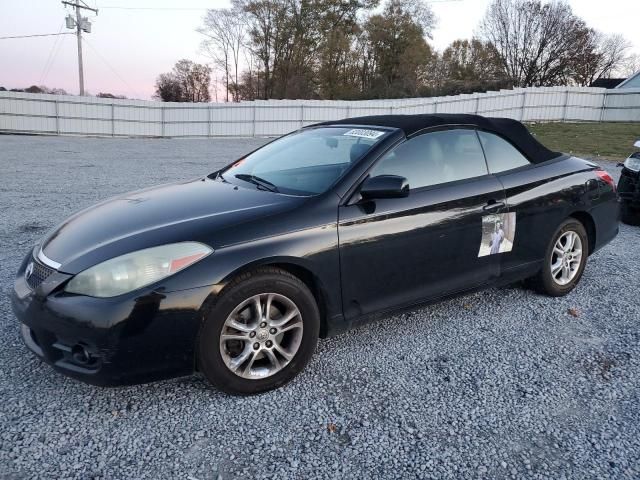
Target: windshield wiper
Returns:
[260, 182]
[217, 176]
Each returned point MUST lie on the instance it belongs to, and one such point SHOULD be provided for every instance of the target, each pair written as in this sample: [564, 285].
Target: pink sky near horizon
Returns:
[128, 48]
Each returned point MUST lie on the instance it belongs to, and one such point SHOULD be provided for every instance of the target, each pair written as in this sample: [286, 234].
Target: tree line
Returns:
[56, 91]
[361, 49]
[37, 89]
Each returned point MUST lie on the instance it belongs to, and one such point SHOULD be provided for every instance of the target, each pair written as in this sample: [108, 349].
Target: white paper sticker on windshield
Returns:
[363, 133]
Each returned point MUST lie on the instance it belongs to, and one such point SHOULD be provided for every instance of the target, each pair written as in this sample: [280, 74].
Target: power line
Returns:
[37, 35]
[53, 59]
[113, 70]
[49, 58]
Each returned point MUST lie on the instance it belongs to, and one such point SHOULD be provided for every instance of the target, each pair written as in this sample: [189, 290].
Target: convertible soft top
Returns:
[511, 130]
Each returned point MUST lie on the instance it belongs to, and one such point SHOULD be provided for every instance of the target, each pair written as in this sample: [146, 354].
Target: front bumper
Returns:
[133, 338]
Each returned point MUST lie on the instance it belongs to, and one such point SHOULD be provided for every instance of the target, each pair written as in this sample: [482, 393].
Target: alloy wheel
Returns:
[261, 335]
[566, 258]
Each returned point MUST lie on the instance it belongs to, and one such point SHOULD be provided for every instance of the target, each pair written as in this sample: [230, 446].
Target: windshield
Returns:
[307, 162]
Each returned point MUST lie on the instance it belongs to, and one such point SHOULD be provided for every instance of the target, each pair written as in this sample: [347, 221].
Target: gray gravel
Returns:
[503, 383]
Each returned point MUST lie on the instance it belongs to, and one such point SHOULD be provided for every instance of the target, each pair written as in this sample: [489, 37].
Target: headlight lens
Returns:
[632, 163]
[137, 269]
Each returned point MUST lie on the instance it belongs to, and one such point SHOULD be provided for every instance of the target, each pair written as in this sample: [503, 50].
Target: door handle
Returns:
[492, 206]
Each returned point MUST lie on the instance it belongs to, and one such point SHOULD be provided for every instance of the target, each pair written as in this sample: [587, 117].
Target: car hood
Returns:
[185, 211]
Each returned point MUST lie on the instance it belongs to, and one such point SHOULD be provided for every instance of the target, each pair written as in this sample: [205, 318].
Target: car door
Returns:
[395, 252]
[536, 197]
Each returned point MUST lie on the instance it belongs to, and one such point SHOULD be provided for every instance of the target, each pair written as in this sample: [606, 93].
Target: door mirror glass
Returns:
[384, 186]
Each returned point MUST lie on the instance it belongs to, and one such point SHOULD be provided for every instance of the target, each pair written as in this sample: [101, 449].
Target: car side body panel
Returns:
[542, 196]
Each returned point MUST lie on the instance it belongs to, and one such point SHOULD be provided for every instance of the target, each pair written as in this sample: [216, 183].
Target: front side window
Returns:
[501, 155]
[435, 158]
[307, 162]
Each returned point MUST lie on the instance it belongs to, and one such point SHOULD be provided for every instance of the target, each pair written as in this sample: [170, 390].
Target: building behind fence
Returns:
[71, 115]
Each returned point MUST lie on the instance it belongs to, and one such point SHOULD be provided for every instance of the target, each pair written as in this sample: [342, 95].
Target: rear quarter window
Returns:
[501, 155]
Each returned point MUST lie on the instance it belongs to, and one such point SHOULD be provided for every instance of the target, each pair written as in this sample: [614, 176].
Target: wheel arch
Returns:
[589, 224]
[298, 268]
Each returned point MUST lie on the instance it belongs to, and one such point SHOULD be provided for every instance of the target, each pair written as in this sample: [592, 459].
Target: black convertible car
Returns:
[238, 273]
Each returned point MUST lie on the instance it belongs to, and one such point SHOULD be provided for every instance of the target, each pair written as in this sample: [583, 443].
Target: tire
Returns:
[283, 351]
[545, 281]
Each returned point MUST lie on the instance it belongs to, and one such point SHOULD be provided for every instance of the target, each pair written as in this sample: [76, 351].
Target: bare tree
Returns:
[225, 30]
[535, 41]
[249, 88]
[598, 56]
[217, 43]
[214, 86]
[238, 33]
[613, 51]
[630, 65]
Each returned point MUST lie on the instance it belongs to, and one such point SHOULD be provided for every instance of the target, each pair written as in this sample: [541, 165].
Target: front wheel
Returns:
[565, 259]
[261, 332]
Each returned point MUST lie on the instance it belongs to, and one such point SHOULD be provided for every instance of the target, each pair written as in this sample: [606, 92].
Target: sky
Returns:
[132, 41]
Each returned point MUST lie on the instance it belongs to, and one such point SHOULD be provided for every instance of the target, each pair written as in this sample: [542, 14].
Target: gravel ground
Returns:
[503, 383]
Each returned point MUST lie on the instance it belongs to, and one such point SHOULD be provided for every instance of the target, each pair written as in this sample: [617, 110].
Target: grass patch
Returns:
[613, 140]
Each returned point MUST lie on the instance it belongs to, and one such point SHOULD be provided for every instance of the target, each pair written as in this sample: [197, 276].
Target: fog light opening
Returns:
[80, 355]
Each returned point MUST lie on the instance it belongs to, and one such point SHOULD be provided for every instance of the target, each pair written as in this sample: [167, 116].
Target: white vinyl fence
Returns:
[71, 115]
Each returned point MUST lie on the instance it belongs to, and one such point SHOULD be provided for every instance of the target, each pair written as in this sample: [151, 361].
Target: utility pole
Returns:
[80, 24]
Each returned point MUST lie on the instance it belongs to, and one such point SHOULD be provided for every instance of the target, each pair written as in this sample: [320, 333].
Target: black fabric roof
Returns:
[511, 130]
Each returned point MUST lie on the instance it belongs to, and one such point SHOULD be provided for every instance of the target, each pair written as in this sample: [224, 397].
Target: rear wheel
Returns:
[261, 332]
[565, 259]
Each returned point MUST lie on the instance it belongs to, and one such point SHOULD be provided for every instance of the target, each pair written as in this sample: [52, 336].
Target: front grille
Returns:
[39, 274]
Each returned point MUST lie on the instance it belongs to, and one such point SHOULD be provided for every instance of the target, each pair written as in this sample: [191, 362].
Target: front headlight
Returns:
[137, 269]
[633, 163]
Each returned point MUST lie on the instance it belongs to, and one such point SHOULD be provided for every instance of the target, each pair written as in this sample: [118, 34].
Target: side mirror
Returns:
[637, 144]
[384, 186]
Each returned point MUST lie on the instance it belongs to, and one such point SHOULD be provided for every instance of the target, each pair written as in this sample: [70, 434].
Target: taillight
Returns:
[607, 178]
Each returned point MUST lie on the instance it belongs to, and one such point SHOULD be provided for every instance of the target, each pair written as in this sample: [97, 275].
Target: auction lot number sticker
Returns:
[363, 133]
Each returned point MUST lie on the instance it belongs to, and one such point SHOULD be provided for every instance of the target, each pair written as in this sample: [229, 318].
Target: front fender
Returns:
[314, 250]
